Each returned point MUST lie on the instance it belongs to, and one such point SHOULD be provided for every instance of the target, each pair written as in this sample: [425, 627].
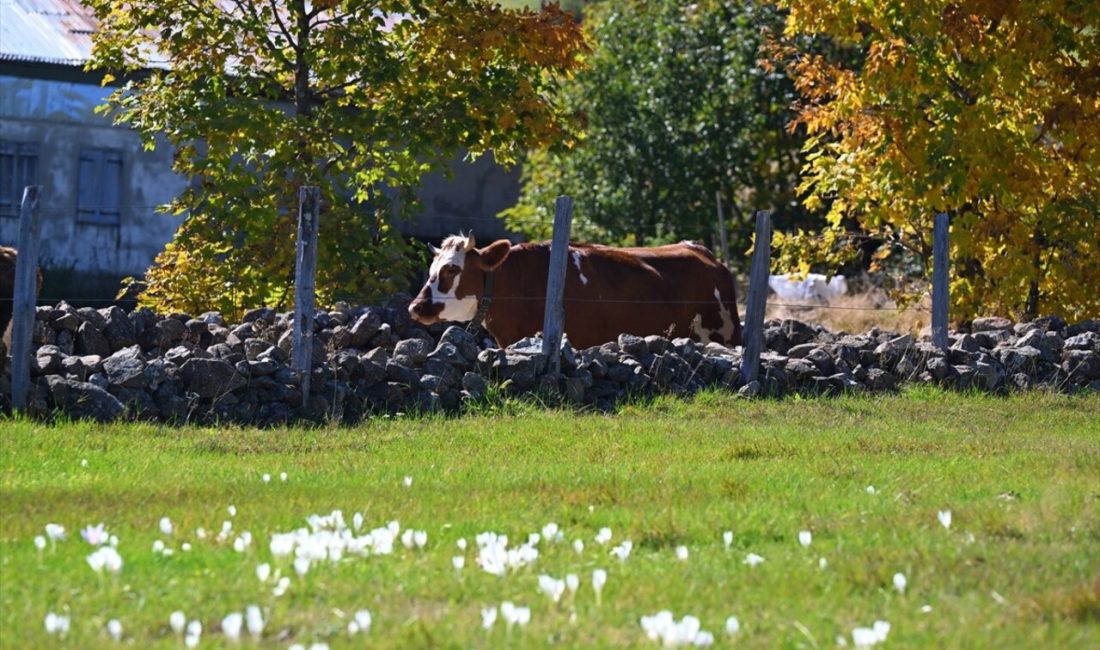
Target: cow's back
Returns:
[676, 290]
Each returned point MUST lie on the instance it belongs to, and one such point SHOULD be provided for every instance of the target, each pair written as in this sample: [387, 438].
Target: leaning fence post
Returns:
[553, 323]
[26, 285]
[940, 297]
[723, 238]
[309, 199]
[758, 295]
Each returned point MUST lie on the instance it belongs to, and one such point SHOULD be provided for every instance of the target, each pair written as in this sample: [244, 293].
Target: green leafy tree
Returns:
[983, 109]
[675, 107]
[261, 97]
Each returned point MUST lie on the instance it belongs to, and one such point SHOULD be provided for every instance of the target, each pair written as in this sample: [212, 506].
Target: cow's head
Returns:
[456, 279]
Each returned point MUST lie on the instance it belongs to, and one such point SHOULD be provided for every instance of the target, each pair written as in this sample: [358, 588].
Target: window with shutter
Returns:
[99, 187]
[18, 169]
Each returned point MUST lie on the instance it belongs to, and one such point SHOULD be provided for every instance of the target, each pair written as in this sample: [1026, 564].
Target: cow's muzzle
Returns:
[423, 310]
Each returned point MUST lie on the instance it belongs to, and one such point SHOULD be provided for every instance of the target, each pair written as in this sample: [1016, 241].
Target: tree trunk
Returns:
[1031, 311]
[303, 102]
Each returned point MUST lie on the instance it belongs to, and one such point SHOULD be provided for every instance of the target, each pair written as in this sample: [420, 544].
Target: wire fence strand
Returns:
[52, 301]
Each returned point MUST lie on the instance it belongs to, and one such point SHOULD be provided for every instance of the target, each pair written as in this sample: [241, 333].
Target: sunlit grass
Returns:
[1017, 567]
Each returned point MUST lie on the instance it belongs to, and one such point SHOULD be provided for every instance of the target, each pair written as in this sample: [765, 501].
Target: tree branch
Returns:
[332, 89]
[282, 25]
[249, 8]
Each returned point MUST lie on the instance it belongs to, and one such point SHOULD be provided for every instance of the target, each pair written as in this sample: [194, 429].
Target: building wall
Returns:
[84, 260]
[59, 117]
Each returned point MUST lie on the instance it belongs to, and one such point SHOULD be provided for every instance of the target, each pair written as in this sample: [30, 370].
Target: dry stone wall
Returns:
[108, 364]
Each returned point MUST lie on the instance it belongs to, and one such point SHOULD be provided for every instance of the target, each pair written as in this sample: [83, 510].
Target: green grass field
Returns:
[1019, 566]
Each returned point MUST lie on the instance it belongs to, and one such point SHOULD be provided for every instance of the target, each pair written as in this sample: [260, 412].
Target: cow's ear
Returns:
[492, 256]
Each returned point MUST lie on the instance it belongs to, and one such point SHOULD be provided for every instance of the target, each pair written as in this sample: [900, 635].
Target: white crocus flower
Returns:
[254, 621]
[281, 587]
[357, 521]
[727, 539]
[523, 616]
[733, 626]
[263, 572]
[604, 536]
[578, 546]
[599, 579]
[900, 582]
[420, 538]
[552, 587]
[105, 558]
[158, 546]
[550, 532]
[458, 562]
[363, 620]
[193, 634]
[822, 563]
[232, 510]
[266, 478]
[200, 533]
[622, 551]
[56, 624]
[945, 518]
[114, 629]
[185, 547]
[408, 481]
[805, 537]
[572, 582]
[866, 637]
[177, 621]
[166, 526]
[682, 553]
[882, 629]
[663, 627]
[870, 489]
[231, 626]
[301, 565]
[488, 617]
[752, 559]
[40, 542]
[55, 532]
[461, 543]
[283, 477]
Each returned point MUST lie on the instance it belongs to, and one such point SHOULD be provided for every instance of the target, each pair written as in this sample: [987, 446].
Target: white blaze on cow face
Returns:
[452, 255]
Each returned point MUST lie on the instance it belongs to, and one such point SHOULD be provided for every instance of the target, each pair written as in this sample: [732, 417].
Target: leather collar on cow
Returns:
[483, 303]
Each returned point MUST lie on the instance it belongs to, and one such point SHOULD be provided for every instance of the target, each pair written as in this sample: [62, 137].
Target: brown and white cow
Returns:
[675, 290]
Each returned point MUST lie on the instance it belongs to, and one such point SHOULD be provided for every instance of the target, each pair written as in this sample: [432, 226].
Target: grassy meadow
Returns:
[1018, 567]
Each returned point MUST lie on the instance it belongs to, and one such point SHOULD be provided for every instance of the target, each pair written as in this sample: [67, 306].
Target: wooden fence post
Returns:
[26, 288]
[723, 238]
[940, 290]
[553, 323]
[758, 295]
[309, 200]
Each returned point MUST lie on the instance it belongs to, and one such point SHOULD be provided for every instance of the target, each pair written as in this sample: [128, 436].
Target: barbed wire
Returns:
[50, 302]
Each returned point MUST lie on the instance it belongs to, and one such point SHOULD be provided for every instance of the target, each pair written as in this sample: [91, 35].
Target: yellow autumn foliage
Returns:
[986, 110]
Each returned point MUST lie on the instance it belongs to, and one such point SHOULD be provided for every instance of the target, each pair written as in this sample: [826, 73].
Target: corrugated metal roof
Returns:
[46, 31]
